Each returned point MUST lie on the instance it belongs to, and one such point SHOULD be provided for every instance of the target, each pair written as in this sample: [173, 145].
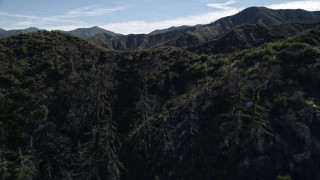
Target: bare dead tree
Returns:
[92, 113]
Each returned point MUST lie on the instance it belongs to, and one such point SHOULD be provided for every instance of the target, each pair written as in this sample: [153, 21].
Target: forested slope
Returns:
[70, 110]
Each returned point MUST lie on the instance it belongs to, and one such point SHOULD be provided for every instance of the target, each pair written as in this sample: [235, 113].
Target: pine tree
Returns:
[258, 113]
[4, 167]
[143, 123]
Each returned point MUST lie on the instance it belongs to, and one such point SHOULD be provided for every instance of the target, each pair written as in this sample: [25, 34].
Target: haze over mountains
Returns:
[234, 99]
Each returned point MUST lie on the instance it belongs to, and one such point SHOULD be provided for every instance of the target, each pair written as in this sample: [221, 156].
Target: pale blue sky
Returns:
[128, 16]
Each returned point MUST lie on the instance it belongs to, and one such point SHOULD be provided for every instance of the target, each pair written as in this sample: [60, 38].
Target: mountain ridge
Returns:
[247, 36]
[173, 28]
[199, 34]
[15, 32]
[266, 16]
[84, 33]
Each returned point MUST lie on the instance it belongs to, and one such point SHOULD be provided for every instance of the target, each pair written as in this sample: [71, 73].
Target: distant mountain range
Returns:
[185, 36]
[83, 33]
[4, 33]
[2, 30]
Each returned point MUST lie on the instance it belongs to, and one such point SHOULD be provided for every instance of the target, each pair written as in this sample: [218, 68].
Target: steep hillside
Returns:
[71, 110]
[183, 37]
[37, 70]
[248, 36]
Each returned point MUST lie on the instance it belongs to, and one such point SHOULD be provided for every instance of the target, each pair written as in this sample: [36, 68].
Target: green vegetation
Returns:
[71, 110]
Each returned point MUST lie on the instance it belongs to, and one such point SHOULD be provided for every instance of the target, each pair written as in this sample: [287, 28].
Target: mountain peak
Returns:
[96, 27]
[256, 8]
[254, 11]
[32, 29]
[86, 33]
[89, 28]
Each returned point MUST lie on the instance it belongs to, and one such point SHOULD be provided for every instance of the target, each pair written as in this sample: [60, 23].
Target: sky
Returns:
[128, 16]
